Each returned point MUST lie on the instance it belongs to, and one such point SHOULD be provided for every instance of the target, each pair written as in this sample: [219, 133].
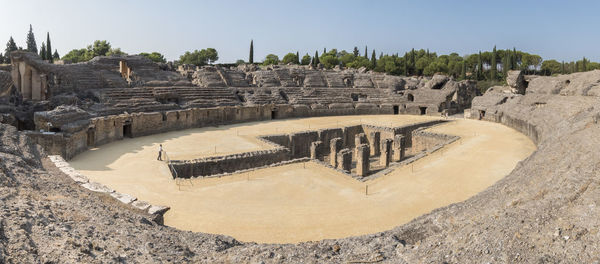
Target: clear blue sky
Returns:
[562, 30]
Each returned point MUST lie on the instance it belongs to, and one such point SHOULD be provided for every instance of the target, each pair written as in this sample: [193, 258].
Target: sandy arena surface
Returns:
[302, 202]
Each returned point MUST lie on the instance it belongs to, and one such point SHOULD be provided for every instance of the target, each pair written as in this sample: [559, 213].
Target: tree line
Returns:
[482, 66]
[45, 51]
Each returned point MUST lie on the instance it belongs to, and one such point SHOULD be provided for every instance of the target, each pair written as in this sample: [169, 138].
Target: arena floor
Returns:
[303, 201]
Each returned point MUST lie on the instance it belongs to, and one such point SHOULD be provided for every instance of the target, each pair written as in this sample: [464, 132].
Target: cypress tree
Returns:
[413, 63]
[10, 47]
[49, 49]
[373, 60]
[366, 54]
[514, 59]
[55, 56]
[494, 65]
[583, 65]
[380, 55]
[509, 61]
[251, 57]
[297, 58]
[479, 66]
[324, 50]
[43, 51]
[463, 72]
[355, 52]
[406, 63]
[1, 58]
[562, 67]
[31, 45]
[316, 59]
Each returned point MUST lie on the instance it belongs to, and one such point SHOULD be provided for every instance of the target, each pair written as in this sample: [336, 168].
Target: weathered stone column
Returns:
[386, 152]
[362, 160]
[359, 139]
[316, 150]
[334, 146]
[374, 144]
[344, 158]
[398, 148]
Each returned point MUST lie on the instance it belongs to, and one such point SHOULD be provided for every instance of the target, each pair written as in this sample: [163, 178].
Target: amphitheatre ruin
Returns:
[291, 163]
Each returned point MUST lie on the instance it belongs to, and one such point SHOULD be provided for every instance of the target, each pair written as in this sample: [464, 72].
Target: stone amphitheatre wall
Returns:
[106, 129]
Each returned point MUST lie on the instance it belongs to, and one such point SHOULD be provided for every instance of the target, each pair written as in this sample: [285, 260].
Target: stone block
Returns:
[386, 152]
[97, 187]
[142, 205]
[316, 150]
[374, 143]
[334, 146]
[398, 148]
[158, 209]
[344, 158]
[362, 160]
[124, 198]
[359, 139]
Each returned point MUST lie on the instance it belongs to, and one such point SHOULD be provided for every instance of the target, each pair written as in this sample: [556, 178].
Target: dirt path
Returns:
[299, 203]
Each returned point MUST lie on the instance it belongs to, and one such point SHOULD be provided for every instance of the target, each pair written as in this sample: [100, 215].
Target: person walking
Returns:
[160, 150]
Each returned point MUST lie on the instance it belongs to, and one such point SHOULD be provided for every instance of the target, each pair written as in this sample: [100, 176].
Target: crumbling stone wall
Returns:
[230, 163]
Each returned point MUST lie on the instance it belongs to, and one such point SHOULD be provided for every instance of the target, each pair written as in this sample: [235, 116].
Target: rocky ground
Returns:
[545, 211]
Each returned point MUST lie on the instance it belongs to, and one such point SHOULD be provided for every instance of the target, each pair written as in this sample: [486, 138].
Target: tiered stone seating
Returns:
[363, 80]
[334, 79]
[264, 96]
[5, 83]
[208, 77]
[285, 78]
[266, 79]
[234, 78]
[314, 78]
[179, 94]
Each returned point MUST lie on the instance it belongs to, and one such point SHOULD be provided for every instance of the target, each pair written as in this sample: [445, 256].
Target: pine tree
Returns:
[373, 59]
[316, 59]
[10, 46]
[251, 57]
[355, 52]
[43, 51]
[366, 54]
[49, 49]
[31, 45]
[55, 56]
[479, 66]
[297, 58]
[493, 65]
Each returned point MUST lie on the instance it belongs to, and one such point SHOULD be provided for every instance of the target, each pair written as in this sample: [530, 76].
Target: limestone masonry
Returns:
[544, 211]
